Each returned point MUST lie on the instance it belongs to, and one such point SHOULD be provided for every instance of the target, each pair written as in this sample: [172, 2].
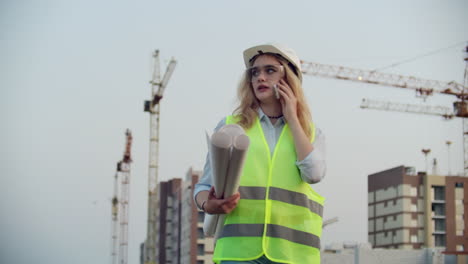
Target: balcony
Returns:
[434, 216]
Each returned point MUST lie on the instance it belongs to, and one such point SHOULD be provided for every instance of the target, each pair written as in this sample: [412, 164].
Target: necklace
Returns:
[275, 117]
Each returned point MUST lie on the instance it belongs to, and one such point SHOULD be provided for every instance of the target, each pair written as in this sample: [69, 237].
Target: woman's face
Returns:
[264, 74]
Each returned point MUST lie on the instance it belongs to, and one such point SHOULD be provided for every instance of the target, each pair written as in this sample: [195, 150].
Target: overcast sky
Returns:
[74, 75]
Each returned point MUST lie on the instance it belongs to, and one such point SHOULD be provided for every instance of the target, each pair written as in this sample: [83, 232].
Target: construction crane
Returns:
[422, 87]
[329, 222]
[119, 237]
[443, 111]
[152, 106]
[114, 222]
[123, 168]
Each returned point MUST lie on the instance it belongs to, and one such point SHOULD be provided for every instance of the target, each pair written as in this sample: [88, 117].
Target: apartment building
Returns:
[179, 224]
[409, 210]
[168, 221]
[195, 248]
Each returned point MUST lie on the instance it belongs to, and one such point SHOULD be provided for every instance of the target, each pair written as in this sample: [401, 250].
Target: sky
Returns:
[74, 76]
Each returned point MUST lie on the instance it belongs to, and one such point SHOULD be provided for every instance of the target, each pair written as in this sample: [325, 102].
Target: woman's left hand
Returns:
[288, 101]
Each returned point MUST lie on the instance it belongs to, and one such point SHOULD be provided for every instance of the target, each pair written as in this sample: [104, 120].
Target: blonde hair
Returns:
[247, 110]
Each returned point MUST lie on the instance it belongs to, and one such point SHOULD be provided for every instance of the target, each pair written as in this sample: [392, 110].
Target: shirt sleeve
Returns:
[204, 184]
[313, 167]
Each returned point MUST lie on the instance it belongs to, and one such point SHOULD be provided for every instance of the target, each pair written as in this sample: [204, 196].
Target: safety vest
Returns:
[279, 215]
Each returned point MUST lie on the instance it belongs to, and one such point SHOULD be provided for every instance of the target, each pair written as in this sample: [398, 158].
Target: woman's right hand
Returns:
[220, 205]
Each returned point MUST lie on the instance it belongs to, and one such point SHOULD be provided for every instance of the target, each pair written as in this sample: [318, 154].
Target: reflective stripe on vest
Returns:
[277, 231]
[278, 215]
[278, 194]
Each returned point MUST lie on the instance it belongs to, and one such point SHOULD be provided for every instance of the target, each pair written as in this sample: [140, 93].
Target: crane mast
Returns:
[119, 236]
[153, 107]
[114, 224]
[464, 107]
[422, 87]
[123, 168]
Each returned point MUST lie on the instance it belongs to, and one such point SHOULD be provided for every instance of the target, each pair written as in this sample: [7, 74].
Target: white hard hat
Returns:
[286, 53]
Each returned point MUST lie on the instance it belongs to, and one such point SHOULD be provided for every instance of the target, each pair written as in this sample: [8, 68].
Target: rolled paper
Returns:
[228, 149]
[236, 163]
[220, 151]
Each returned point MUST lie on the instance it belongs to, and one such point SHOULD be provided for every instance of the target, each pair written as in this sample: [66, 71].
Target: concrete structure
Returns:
[179, 225]
[409, 210]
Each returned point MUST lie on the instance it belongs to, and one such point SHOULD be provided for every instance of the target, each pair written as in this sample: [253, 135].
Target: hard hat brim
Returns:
[284, 52]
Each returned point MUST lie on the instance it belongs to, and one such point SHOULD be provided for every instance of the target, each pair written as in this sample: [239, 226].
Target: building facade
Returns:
[195, 248]
[179, 224]
[409, 210]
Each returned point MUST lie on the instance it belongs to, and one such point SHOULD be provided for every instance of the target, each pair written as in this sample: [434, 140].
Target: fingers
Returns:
[233, 197]
[288, 101]
[212, 193]
[286, 89]
[222, 206]
[230, 204]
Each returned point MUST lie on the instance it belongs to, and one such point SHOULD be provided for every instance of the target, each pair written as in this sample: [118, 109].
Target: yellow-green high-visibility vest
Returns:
[279, 215]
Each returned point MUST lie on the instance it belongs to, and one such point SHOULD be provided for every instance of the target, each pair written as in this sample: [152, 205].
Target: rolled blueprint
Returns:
[219, 147]
[228, 149]
[236, 163]
[220, 151]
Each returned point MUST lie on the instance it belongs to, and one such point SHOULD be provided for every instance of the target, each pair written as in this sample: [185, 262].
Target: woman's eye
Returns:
[270, 70]
[254, 72]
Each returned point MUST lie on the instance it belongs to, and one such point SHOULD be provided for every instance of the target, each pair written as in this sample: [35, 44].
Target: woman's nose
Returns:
[261, 76]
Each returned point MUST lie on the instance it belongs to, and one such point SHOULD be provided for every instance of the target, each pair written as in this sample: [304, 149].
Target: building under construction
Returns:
[409, 210]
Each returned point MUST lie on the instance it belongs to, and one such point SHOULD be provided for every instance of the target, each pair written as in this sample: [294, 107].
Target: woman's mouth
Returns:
[262, 88]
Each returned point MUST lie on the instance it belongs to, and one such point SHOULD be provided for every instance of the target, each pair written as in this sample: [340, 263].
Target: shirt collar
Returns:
[263, 117]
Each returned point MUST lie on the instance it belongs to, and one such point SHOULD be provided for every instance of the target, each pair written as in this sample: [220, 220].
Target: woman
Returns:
[276, 217]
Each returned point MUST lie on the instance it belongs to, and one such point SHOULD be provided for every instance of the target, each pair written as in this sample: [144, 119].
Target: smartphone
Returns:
[275, 88]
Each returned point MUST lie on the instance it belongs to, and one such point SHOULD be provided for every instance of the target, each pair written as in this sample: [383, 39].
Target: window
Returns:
[201, 216]
[201, 249]
[200, 233]
[439, 240]
[438, 209]
[439, 225]
[439, 192]
[459, 184]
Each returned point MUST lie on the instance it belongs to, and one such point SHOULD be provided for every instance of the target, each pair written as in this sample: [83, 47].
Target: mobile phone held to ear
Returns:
[275, 88]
